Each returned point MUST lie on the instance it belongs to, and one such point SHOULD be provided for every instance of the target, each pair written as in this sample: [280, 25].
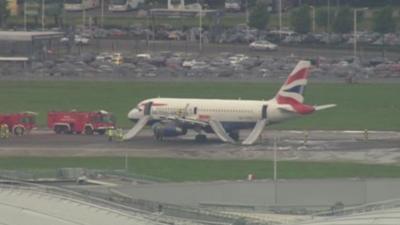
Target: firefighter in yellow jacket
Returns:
[4, 131]
[110, 134]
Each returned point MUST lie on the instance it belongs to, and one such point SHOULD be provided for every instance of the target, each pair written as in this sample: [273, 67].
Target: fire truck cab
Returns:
[75, 122]
[19, 123]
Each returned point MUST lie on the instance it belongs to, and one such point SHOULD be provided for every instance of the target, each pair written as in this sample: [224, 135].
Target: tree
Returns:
[383, 21]
[321, 18]
[343, 22]
[300, 19]
[54, 8]
[259, 16]
[4, 12]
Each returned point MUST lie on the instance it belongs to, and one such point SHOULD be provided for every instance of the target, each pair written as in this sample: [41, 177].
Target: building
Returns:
[32, 45]
[29, 205]
[13, 7]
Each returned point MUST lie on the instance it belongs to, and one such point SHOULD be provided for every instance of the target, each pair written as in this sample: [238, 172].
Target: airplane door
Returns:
[264, 111]
[147, 108]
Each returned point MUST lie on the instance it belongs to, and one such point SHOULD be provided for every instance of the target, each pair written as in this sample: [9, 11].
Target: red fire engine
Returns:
[19, 123]
[80, 122]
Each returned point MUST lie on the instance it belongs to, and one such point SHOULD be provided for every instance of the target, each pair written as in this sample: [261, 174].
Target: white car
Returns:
[263, 45]
[232, 5]
[193, 63]
[236, 59]
[143, 56]
[81, 40]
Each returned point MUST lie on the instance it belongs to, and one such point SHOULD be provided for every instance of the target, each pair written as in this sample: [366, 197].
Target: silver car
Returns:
[263, 45]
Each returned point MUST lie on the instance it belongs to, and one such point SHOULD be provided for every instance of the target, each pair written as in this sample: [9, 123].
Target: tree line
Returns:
[336, 20]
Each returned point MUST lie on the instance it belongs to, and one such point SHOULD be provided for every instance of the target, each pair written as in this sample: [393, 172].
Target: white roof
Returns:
[14, 59]
[23, 207]
[28, 35]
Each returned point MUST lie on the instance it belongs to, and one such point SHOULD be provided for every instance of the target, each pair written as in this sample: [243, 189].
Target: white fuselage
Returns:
[171, 117]
[245, 112]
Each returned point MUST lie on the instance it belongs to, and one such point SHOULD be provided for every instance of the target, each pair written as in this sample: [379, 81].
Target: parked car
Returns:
[117, 58]
[81, 40]
[236, 59]
[263, 45]
[143, 56]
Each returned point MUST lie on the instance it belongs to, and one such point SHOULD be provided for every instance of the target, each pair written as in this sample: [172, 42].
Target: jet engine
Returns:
[161, 130]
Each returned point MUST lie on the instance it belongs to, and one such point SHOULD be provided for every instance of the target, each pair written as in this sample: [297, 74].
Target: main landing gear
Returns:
[201, 138]
[234, 135]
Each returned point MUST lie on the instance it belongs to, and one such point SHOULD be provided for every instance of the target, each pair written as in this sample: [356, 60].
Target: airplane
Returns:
[172, 117]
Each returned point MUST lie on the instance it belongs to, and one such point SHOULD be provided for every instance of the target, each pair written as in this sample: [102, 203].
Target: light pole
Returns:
[84, 17]
[247, 17]
[102, 13]
[355, 30]
[247, 12]
[329, 21]
[25, 15]
[313, 18]
[275, 173]
[280, 19]
[42, 15]
[200, 26]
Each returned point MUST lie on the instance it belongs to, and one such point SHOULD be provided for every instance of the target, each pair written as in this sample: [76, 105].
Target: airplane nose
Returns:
[133, 114]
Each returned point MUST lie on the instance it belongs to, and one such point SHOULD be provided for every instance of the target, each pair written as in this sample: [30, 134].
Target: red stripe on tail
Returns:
[301, 74]
[297, 106]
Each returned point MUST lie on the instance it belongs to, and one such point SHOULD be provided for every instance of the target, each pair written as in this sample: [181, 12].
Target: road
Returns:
[381, 147]
[140, 46]
[289, 194]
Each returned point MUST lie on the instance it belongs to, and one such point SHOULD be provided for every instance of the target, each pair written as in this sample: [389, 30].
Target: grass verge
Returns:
[361, 106]
[205, 170]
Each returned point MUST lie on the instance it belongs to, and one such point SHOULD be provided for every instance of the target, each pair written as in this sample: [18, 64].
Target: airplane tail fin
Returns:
[290, 97]
[294, 86]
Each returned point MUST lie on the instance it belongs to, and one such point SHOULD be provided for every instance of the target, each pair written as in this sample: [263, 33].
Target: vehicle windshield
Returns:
[105, 119]
[118, 2]
[27, 120]
[73, 1]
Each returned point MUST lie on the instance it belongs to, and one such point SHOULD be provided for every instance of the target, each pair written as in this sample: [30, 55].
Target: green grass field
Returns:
[205, 170]
[361, 106]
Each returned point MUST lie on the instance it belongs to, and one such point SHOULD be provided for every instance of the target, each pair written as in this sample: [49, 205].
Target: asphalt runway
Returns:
[381, 147]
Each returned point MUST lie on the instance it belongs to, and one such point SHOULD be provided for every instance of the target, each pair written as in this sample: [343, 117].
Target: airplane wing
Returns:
[215, 125]
[256, 132]
[220, 131]
[183, 120]
[136, 129]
